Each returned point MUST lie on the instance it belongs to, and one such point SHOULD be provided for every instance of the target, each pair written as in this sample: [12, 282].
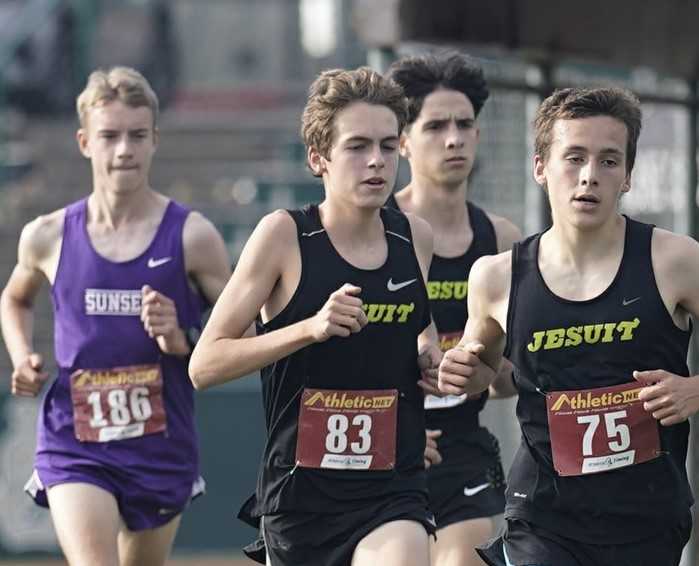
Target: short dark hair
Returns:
[420, 76]
[573, 103]
[336, 89]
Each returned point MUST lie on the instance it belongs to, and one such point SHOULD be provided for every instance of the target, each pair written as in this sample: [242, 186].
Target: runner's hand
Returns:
[670, 398]
[428, 361]
[159, 317]
[28, 377]
[341, 315]
[458, 366]
[432, 455]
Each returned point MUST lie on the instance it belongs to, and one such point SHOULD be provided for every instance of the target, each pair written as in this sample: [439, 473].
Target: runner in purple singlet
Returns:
[130, 273]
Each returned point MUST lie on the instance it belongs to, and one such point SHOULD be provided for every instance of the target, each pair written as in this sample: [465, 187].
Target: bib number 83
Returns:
[618, 433]
[336, 441]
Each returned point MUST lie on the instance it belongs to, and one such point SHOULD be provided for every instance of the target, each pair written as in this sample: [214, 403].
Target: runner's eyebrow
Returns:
[584, 149]
[468, 120]
[366, 139]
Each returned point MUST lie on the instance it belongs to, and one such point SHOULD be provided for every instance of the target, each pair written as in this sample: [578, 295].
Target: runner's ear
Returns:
[316, 162]
[403, 147]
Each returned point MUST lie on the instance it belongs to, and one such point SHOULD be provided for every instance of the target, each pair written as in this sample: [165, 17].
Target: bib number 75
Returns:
[618, 432]
[600, 430]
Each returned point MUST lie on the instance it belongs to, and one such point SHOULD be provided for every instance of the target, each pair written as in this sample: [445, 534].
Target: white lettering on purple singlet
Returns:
[119, 302]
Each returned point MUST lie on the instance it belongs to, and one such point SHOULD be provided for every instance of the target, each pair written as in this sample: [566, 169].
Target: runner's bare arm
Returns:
[429, 353]
[266, 266]
[38, 248]
[472, 366]
[503, 386]
[205, 255]
[671, 398]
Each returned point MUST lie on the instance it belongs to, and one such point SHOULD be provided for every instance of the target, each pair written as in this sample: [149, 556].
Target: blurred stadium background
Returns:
[232, 75]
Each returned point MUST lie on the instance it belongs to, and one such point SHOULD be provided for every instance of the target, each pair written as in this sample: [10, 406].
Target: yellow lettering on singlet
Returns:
[447, 290]
[388, 313]
[573, 336]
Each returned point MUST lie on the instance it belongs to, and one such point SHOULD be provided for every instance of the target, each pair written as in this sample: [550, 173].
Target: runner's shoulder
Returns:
[506, 232]
[420, 228]
[674, 247]
[274, 237]
[277, 224]
[491, 274]
[41, 236]
[199, 230]
[675, 259]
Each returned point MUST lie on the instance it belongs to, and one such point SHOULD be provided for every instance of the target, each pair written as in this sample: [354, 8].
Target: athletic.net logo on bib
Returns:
[117, 403]
[347, 429]
[597, 430]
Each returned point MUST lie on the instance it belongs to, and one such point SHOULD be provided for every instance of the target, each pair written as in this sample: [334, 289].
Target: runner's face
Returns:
[585, 172]
[363, 161]
[441, 143]
[120, 142]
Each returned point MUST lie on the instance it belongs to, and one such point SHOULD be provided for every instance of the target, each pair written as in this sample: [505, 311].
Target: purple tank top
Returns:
[97, 325]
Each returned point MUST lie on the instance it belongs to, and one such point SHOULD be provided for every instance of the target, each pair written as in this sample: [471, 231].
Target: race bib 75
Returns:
[598, 430]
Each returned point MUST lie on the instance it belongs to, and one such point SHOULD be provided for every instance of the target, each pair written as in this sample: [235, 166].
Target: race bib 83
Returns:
[347, 429]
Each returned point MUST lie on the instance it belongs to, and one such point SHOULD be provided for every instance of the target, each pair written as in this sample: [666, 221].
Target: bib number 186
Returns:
[117, 403]
[123, 408]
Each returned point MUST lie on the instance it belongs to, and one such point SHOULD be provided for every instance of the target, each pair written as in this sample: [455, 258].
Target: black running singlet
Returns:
[447, 289]
[582, 348]
[382, 356]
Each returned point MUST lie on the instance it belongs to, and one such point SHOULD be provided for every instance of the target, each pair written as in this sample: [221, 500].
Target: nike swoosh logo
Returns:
[152, 262]
[626, 303]
[391, 286]
[471, 491]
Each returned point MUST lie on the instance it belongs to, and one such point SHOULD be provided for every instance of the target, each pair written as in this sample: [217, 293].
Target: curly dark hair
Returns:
[420, 76]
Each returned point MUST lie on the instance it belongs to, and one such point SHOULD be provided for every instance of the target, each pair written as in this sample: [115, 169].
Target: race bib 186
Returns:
[117, 403]
[347, 429]
[597, 430]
